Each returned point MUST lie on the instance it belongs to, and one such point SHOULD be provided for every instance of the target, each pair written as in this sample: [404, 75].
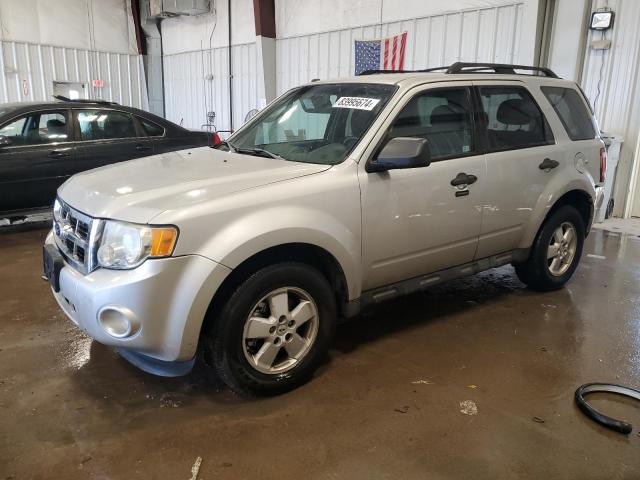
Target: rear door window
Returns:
[105, 124]
[513, 119]
[37, 128]
[572, 112]
[441, 116]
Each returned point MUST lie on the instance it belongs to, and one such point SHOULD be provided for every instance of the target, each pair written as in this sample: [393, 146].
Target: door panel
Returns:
[37, 160]
[513, 188]
[414, 221]
[519, 139]
[105, 152]
[172, 144]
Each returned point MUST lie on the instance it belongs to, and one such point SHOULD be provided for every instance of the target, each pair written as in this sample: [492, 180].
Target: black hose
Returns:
[617, 425]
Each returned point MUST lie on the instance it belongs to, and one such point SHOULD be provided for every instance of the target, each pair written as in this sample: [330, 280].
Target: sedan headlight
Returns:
[127, 245]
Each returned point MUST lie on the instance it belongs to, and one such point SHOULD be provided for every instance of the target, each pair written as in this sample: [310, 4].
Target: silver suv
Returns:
[338, 195]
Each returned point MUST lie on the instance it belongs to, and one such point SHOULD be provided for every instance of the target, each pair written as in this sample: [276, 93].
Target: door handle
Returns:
[58, 154]
[462, 180]
[548, 164]
[142, 148]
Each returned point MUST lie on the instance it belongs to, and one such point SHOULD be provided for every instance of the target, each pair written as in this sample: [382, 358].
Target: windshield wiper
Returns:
[261, 152]
[230, 146]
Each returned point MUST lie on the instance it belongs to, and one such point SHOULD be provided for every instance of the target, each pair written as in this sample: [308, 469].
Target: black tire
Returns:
[535, 272]
[225, 340]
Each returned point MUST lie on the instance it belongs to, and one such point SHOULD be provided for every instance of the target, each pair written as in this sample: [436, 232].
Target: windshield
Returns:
[314, 124]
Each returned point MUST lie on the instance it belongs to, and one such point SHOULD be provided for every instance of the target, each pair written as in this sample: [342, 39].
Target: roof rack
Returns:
[508, 68]
[464, 67]
[62, 98]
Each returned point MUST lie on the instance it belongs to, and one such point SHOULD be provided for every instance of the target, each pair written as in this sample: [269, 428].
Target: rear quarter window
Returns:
[572, 111]
[150, 128]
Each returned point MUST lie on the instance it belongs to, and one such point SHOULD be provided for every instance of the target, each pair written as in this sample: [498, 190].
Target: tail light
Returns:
[217, 141]
[603, 164]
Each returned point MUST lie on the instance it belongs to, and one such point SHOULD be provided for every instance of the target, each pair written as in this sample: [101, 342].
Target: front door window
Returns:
[443, 117]
[37, 128]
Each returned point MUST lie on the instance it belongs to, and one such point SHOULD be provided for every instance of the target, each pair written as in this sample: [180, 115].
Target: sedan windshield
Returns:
[313, 124]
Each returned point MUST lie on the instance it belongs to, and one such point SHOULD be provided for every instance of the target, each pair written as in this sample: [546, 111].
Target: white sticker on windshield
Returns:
[359, 103]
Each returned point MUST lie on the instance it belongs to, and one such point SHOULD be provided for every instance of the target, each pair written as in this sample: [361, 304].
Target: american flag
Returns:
[383, 54]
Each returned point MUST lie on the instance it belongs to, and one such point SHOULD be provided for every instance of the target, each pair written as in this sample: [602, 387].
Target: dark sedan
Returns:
[43, 144]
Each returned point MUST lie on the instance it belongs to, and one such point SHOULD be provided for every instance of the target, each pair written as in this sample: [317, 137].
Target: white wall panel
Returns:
[611, 80]
[198, 82]
[41, 65]
[304, 17]
[92, 24]
[484, 34]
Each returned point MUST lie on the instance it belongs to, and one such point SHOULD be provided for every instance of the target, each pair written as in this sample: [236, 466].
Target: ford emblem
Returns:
[56, 228]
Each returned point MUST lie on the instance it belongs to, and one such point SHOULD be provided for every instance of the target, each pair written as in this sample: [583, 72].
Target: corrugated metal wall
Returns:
[611, 80]
[32, 69]
[484, 34]
[198, 82]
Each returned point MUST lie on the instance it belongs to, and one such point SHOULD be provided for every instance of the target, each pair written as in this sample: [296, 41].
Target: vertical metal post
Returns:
[15, 65]
[129, 82]
[5, 91]
[65, 67]
[42, 74]
[109, 80]
[230, 73]
[29, 70]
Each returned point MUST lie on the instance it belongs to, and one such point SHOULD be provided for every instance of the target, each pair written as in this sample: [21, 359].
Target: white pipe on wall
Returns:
[634, 184]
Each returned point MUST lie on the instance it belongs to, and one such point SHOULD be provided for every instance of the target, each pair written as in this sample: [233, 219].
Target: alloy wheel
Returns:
[562, 249]
[280, 330]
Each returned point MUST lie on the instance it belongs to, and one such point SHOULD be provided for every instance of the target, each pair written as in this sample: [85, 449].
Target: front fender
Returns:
[271, 227]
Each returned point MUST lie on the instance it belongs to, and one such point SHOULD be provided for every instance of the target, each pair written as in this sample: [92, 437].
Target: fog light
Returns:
[119, 322]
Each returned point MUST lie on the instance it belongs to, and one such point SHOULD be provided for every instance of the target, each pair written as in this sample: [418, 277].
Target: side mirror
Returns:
[4, 141]
[401, 152]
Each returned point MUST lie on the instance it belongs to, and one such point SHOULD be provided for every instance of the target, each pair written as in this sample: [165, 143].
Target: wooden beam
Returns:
[264, 12]
[140, 38]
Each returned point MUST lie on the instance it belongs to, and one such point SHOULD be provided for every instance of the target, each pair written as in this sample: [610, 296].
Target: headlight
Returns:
[127, 245]
[57, 210]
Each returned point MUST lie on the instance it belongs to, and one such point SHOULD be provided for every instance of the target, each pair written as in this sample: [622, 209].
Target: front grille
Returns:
[75, 234]
[83, 230]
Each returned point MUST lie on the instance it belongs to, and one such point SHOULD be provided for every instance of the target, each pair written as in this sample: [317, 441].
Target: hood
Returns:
[138, 190]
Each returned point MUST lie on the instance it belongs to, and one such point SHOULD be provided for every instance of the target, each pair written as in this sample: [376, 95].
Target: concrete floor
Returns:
[386, 405]
[620, 225]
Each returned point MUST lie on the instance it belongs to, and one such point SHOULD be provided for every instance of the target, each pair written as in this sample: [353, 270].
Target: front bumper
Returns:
[164, 302]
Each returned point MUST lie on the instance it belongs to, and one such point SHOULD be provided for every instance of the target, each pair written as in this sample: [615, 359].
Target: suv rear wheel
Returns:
[556, 251]
[275, 329]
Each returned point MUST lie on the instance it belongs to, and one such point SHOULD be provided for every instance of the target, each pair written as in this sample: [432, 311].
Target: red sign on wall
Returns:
[25, 88]
[97, 83]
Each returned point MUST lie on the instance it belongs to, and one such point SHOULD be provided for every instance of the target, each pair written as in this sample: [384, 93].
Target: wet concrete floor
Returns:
[387, 405]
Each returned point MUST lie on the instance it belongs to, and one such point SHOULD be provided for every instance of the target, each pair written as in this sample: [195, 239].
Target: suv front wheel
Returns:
[556, 251]
[274, 330]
